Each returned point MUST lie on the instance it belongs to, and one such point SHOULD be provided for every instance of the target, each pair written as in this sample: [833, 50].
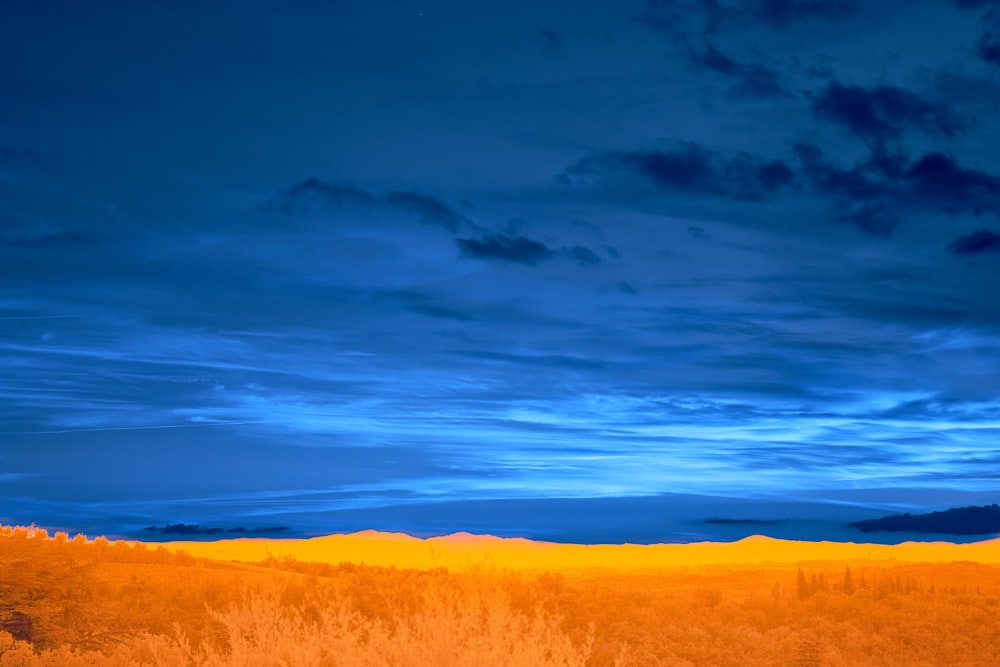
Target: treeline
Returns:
[74, 602]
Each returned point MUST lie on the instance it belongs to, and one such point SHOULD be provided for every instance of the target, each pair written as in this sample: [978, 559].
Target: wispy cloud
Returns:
[506, 248]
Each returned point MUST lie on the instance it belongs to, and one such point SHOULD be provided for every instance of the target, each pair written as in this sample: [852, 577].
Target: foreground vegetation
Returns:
[75, 602]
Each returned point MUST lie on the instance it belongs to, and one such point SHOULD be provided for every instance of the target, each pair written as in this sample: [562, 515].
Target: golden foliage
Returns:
[72, 602]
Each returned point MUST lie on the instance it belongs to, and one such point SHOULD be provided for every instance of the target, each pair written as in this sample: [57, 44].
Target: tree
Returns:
[848, 584]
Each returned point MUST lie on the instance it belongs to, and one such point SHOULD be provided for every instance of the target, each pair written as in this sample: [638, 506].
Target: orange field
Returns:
[376, 599]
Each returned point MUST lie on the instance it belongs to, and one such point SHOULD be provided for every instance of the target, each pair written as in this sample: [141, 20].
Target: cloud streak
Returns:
[510, 248]
[751, 79]
[688, 168]
[976, 242]
[880, 113]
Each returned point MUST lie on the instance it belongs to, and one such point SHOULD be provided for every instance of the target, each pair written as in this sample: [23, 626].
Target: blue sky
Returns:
[507, 266]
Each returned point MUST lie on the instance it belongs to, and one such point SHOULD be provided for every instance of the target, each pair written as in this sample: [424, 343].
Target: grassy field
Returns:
[374, 599]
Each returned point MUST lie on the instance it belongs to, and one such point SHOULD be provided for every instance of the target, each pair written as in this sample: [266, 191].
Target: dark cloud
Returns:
[752, 79]
[313, 192]
[696, 232]
[582, 255]
[938, 179]
[974, 243]
[506, 248]
[429, 209]
[831, 180]
[855, 183]
[874, 219]
[871, 193]
[694, 27]
[195, 529]
[692, 169]
[883, 112]
[988, 46]
[957, 521]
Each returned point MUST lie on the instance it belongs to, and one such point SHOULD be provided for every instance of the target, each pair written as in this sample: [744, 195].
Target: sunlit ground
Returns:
[389, 599]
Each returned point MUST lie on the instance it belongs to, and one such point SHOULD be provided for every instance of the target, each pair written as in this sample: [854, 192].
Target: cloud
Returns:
[312, 191]
[506, 248]
[871, 193]
[880, 113]
[988, 46]
[974, 243]
[752, 79]
[937, 178]
[582, 255]
[691, 169]
[696, 27]
[983, 520]
[696, 232]
[429, 209]
[874, 219]
[744, 522]
[195, 529]
[855, 183]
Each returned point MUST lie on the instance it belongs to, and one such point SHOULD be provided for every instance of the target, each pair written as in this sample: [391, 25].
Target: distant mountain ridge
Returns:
[970, 520]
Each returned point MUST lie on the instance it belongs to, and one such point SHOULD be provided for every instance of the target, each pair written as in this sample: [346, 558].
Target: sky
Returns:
[661, 270]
